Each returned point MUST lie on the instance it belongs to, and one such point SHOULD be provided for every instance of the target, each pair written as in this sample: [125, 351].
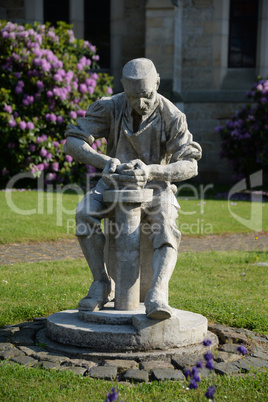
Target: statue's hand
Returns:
[135, 172]
[108, 174]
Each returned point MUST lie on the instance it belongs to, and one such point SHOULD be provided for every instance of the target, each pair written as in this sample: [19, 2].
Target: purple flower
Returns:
[241, 349]
[59, 119]
[210, 392]
[51, 176]
[193, 384]
[199, 364]
[109, 90]
[12, 123]
[63, 141]
[49, 156]
[40, 85]
[81, 113]
[90, 90]
[55, 144]
[32, 147]
[187, 373]
[68, 158]
[55, 166]
[210, 365]
[208, 356]
[207, 342]
[49, 94]
[18, 90]
[73, 114]
[40, 167]
[30, 125]
[53, 117]
[17, 75]
[43, 152]
[8, 109]
[22, 125]
[83, 88]
[112, 396]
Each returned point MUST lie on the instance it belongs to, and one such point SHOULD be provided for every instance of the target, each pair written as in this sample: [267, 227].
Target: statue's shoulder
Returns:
[168, 109]
[106, 105]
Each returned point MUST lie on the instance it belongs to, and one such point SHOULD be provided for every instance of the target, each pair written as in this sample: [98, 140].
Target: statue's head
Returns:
[141, 81]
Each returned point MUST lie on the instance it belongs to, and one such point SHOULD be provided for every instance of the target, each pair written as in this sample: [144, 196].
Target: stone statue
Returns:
[148, 146]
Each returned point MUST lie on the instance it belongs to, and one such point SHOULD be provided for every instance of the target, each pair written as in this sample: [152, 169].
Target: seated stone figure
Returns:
[148, 145]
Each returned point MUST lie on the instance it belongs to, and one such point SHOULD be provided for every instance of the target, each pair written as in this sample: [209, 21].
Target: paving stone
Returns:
[229, 347]
[168, 374]
[80, 363]
[25, 360]
[31, 350]
[228, 334]
[204, 372]
[122, 364]
[252, 362]
[24, 337]
[259, 353]
[9, 330]
[101, 372]
[136, 375]
[226, 368]
[226, 357]
[48, 365]
[183, 362]
[5, 345]
[11, 352]
[156, 364]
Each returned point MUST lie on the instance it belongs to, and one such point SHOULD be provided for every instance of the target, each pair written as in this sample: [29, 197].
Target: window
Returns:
[56, 10]
[243, 33]
[97, 28]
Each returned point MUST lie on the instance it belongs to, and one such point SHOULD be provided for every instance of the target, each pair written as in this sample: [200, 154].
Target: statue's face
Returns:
[143, 103]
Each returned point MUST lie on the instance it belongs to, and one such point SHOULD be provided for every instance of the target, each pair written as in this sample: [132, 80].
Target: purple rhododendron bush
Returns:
[245, 135]
[47, 78]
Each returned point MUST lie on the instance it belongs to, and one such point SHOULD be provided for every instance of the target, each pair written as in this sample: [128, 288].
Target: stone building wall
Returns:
[12, 10]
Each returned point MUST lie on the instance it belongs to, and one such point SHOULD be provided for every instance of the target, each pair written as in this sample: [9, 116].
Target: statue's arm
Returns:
[82, 152]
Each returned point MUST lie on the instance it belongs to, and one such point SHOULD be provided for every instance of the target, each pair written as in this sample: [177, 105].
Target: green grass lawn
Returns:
[226, 287]
[32, 216]
[20, 384]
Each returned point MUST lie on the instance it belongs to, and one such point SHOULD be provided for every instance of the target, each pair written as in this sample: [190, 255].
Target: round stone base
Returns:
[122, 331]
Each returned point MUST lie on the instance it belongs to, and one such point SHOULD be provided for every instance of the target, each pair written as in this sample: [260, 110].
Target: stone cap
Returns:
[128, 196]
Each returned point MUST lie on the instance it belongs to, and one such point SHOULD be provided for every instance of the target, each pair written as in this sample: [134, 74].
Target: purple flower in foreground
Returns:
[208, 356]
[193, 384]
[187, 373]
[210, 365]
[210, 392]
[12, 123]
[199, 364]
[207, 342]
[241, 349]
[32, 147]
[113, 395]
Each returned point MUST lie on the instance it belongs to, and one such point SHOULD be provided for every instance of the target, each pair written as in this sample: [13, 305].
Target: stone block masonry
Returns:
[15, 348]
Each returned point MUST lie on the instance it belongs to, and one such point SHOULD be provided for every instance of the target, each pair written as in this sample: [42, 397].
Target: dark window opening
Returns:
[56, 10]
[243, 33]
[97, 28]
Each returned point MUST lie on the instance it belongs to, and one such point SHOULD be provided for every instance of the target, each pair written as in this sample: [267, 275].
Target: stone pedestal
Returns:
[127, 220]
[117, 330]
